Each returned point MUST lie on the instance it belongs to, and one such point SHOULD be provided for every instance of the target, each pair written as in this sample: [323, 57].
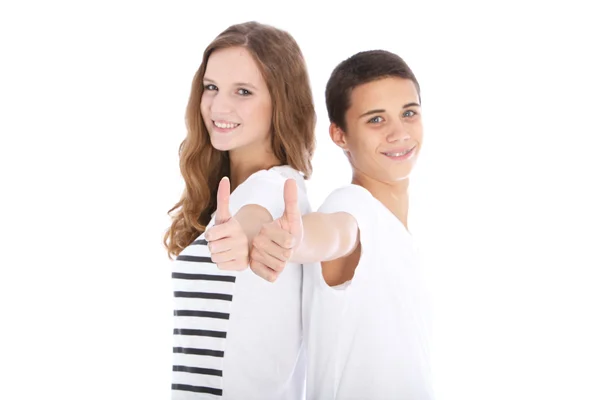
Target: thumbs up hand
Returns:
[227, 242]
[274, 245]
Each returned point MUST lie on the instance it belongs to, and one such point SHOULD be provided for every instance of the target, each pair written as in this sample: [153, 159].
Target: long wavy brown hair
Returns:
[283, 68]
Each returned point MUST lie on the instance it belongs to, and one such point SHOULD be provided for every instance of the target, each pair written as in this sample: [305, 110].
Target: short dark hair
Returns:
[361, 68]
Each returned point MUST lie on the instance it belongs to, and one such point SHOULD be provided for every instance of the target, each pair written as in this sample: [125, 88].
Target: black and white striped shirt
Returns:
[203, 296]
[237, 336]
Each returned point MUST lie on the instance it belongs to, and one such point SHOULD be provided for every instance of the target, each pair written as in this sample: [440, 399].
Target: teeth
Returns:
[397, 154]
[225, 125]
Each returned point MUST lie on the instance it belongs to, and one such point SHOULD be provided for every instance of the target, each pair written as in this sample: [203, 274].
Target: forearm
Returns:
[326, 237]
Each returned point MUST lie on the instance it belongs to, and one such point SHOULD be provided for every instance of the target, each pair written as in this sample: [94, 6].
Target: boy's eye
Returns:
[375, 120]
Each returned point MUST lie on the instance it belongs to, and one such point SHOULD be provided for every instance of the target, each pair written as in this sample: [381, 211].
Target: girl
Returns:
[250, 121]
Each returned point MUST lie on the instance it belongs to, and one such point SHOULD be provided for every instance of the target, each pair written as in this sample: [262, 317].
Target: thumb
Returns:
[292, 209]
[222, 215]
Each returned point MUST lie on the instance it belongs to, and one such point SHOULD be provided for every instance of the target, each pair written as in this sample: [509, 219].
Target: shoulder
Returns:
[265, 188]
[274, 177]
[359, 203]
[351, 198]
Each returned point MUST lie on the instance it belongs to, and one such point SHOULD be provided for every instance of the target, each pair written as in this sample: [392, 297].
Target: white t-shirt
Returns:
[236, 335]
[368, 338]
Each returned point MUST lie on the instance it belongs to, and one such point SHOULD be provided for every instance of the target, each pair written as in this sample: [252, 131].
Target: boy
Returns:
[366, 318]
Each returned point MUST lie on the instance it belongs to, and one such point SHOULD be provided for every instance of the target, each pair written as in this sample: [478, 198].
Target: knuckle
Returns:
[217, 259]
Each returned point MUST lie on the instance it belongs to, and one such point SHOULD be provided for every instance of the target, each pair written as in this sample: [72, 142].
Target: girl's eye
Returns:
[210, 86]
[375, 120]
[244, 92]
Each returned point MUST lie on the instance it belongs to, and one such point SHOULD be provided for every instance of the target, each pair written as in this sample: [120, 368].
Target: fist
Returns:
[273, 247]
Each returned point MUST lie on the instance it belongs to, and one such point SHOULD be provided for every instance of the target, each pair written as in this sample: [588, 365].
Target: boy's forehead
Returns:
[384, 91]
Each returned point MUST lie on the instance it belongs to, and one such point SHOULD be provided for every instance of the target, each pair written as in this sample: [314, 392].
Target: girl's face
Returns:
[236, 104]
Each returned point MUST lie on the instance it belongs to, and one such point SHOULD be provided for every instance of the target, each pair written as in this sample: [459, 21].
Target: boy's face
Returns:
[384, 131]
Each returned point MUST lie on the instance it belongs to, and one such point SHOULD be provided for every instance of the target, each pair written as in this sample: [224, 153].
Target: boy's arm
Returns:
[326, 237]
[314, 237]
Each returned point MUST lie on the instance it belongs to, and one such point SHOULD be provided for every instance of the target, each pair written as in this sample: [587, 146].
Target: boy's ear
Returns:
[338, 136]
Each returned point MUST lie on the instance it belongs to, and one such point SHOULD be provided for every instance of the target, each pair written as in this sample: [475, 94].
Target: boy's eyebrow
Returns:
[379, 111]
[372, 112]
[235, 84]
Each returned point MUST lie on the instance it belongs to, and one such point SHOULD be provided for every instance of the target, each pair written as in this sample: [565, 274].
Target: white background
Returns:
[504, 201]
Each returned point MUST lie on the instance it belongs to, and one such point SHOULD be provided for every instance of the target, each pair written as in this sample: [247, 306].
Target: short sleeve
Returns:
[360, 203]
[356, 201]
[265, 189]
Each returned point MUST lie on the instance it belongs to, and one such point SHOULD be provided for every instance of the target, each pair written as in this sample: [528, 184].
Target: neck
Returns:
[394, 196]
[245, 161]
